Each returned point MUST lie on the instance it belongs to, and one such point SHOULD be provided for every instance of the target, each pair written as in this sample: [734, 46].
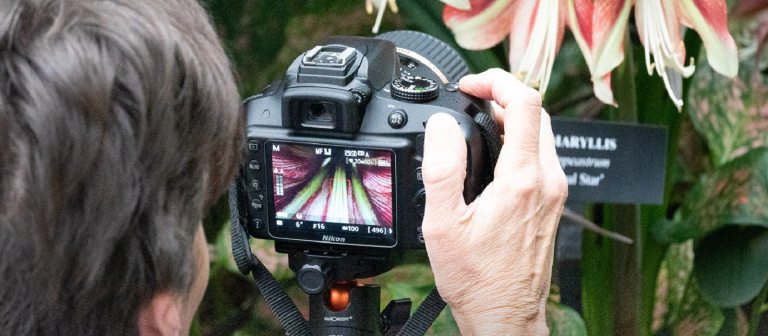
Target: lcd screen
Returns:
[331, 189]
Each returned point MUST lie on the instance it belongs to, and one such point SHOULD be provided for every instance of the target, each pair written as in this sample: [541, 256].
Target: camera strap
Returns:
[424, 316]
[278, 300]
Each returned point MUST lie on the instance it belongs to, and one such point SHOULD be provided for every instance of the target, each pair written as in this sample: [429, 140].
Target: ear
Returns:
[160, 317]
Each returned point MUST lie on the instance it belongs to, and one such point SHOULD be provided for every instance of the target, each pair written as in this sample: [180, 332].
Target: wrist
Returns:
[501, 321]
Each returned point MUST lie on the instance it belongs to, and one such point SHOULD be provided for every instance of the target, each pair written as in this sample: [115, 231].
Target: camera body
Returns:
[332, 163]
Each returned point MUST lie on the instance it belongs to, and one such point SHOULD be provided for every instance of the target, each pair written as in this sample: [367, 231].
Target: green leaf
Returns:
[697, 317]
[734, 323]
[598, 297]
[564, 321]
[732, 114]
[732, 264]
[673, 280]
[735, 193]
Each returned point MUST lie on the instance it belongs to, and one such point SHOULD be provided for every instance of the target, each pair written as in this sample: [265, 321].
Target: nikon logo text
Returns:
[333, 239]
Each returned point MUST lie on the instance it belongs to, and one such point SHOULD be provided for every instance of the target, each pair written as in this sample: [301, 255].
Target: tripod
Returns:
[339, 305]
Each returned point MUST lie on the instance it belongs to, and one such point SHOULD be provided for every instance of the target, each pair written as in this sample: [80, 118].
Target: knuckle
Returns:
[556, 192]
[521, 184]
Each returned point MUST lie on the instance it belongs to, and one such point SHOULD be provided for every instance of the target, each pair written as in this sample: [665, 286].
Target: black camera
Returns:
[332, 165]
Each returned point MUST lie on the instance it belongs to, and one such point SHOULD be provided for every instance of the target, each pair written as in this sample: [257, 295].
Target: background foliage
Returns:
[699, 263]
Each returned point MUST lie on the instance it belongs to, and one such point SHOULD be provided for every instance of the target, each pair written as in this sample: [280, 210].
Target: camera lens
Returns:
[319, 111]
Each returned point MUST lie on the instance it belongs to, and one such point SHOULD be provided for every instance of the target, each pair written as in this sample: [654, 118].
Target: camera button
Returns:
[256, 225]
[256, 185]
[451, 87]
[419, 200]
[253, 145]
[254, 165]
[419, 176]
[397, 119]
[257, 205]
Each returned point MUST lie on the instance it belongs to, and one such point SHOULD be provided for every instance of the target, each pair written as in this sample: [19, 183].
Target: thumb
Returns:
[444, 168]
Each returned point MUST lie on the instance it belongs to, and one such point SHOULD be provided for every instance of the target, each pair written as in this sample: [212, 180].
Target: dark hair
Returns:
[119, 125]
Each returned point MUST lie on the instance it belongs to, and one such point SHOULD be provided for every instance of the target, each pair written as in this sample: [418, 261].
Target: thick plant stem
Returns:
[626, 218]
[757, 311]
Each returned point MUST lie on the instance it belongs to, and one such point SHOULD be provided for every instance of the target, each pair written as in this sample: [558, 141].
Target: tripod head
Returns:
[316, 269]
[341, 305]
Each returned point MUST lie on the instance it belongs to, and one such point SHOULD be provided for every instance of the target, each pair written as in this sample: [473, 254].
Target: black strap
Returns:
[424, 316]
[281, 304]
[278, 300]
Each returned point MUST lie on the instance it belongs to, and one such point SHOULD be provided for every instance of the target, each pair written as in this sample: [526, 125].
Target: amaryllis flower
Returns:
[535, 29]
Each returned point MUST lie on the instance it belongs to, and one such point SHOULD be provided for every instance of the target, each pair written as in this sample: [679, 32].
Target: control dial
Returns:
[414, 89]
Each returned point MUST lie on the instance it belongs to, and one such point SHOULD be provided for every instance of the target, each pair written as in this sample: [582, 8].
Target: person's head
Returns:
[119, 126]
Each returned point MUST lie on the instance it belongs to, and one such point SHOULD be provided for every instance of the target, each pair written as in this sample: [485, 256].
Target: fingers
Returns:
[443, 169]
[521, 117]
[485, 85]
[528, 172]
[554, 193]
[555, 186]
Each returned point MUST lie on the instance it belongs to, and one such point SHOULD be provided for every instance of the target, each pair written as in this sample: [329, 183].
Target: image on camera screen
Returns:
[332, 184]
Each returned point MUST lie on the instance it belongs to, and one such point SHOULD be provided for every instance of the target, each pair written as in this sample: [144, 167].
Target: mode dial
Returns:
[414, 89]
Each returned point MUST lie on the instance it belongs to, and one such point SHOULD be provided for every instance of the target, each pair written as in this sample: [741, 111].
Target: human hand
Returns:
[492, 259]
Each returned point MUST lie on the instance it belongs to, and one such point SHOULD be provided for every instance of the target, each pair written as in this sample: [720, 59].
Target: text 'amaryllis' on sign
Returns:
[612, 162]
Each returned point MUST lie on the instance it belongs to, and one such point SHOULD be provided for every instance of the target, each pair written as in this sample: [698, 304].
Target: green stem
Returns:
[757, 311]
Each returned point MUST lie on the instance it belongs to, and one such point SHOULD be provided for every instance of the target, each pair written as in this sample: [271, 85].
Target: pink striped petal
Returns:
[536, 33]
[484, 25]
[599, 27]
[710, 19]
[658, 25]
[602, 89]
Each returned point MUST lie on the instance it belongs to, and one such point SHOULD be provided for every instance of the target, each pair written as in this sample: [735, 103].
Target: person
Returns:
[120, 124]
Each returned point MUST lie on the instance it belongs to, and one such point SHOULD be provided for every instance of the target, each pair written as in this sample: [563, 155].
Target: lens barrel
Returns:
[443, 58]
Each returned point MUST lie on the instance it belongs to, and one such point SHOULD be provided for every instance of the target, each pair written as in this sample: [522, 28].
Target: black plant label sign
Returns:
[608, 162]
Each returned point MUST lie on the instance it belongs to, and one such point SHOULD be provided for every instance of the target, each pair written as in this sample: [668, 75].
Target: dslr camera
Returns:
[332, 163]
